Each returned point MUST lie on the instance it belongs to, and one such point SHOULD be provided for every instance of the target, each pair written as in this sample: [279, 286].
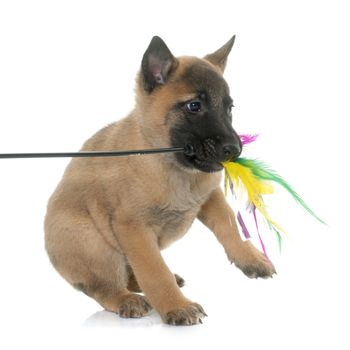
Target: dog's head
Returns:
[185, 102]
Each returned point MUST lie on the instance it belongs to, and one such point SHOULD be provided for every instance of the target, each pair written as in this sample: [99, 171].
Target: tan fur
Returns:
[109, 217]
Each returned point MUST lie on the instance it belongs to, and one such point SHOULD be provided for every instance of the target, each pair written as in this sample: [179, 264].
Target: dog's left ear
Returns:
[219, 57]
[157, 64]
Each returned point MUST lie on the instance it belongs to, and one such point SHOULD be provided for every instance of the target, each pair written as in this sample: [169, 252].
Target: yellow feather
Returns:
[243, 178]
[240, 175]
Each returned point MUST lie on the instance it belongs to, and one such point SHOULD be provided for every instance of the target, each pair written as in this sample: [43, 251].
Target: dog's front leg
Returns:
[217, 215]
[154, 277]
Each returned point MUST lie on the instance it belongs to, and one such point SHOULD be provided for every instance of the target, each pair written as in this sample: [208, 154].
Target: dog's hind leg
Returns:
[84, 258]
[124, 303]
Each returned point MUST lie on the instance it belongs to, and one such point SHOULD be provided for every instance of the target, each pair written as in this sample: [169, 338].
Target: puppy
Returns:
[109, 218]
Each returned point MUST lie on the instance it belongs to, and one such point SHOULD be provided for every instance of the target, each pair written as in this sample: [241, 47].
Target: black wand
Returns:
[188, 149]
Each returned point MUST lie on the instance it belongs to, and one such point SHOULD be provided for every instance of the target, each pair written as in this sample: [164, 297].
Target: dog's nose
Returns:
[231, 151]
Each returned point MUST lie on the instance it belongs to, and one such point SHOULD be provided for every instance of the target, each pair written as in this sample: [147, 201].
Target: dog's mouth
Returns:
[192, 159]
[207, 166]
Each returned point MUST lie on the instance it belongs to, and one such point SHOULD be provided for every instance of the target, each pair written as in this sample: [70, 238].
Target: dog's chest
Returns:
[173, 216]
[169, 219]
[170, 223]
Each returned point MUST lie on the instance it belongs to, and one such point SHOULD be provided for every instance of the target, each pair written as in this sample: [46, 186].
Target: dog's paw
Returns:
[134, 306]
[253, 263]
[186, 316]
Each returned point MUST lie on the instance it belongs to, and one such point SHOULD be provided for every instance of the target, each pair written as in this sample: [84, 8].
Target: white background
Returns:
[67, 69]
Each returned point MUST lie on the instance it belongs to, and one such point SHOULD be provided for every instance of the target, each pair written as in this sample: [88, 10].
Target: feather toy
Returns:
[243, 175]
[255, 178]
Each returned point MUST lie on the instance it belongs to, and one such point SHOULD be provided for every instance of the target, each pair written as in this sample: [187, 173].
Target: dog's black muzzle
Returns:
[211, 149]
[208, 154]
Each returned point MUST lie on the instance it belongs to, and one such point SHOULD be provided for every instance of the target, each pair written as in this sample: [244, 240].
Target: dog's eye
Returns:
[194, 107]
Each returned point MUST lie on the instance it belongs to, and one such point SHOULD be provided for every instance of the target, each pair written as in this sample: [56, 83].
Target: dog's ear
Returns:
[157, 64]
[219, 57]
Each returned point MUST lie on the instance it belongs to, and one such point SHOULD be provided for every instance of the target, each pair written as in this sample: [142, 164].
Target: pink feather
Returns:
[243, 226]
[257, 229]
[247, 138]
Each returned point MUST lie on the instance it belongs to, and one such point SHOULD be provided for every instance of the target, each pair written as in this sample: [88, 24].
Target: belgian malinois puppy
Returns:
[109, 218]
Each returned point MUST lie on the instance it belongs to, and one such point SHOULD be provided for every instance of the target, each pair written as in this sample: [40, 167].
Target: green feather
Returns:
[278, 235]
[262, 171]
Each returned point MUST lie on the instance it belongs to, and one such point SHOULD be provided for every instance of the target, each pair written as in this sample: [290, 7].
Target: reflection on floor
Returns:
[105, 318]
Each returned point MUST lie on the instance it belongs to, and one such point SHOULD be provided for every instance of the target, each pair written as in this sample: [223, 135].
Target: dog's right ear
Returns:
[219, 57]
[157, 64]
